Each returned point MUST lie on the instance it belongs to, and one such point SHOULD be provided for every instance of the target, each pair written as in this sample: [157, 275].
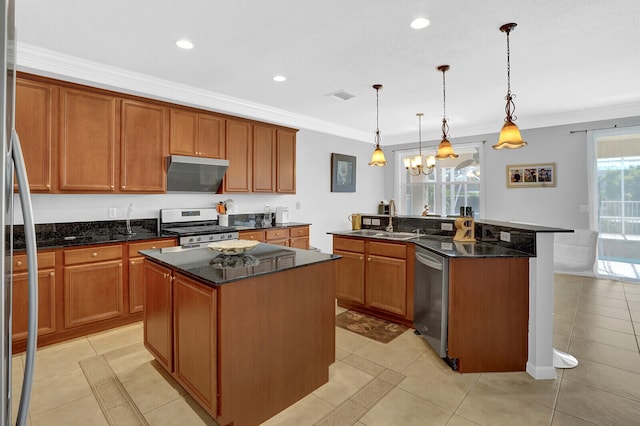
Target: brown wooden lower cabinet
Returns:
[488, 313]
[46, 296]
[195, 339]
[93, 292]
[136, 271]
[101, 288]
[376, 277]
[295, 236]
[158, 316]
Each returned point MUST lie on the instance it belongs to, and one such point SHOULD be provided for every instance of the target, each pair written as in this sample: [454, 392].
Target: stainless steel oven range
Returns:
[194, 227]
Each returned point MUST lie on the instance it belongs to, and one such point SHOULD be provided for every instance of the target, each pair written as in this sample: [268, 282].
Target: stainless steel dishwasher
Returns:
[431, 298]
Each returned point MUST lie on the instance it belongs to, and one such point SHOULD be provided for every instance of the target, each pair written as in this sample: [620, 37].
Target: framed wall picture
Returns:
[343, 173]
[531, 175]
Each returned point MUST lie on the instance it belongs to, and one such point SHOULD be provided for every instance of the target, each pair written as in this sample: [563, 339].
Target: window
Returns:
[454, 183]
[615, 200]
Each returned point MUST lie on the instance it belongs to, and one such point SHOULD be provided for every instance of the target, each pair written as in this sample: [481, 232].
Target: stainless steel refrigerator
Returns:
[12, 161]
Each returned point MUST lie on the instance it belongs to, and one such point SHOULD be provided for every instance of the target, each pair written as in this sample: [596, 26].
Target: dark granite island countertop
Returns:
[214, 268]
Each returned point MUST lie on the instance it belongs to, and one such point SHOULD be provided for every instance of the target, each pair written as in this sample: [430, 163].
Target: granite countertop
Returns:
[60, 235]
[258, 227]
[445, 246]
[214, 268]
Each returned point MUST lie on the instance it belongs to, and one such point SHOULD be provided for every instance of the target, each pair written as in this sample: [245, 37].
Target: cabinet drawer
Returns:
[92, 254]
[134, 248]
[45, 260]
[302, 231]
[348, 244]
[277, 234]
[388, 249]
[252, 235]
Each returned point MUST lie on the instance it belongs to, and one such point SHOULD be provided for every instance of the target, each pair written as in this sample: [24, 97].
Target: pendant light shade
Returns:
[510, 134]
[445, 150]
[377, 159]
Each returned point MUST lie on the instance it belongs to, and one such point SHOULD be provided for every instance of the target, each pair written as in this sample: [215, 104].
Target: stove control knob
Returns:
[191, 239]
[198, 239]
[210, 237]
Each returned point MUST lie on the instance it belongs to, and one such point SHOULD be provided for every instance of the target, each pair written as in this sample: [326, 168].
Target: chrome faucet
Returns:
[392, 212]
[129, 211]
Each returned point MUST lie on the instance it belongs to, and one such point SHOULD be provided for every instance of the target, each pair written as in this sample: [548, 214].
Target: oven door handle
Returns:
[429, 261]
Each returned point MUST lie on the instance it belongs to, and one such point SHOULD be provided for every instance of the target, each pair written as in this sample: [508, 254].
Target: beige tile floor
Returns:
[399, 383]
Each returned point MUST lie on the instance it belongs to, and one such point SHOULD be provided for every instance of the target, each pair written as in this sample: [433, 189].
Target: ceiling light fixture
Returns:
[279, 78]
[445, 150]
[184, 44]
[414, 165]
[420, 23]
[510, 134]
[377, 159]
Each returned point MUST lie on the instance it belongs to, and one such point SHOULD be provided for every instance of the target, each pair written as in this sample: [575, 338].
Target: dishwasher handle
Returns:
[429, 261]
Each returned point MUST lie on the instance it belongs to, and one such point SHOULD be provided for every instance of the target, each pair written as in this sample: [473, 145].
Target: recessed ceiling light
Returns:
[279, 78]
[420, 23]
[184, 44]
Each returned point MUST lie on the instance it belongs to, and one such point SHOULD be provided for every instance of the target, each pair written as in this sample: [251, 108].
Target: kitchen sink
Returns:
[384, 234]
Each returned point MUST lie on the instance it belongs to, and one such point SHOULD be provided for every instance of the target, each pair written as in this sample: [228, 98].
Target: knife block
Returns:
[465, 230]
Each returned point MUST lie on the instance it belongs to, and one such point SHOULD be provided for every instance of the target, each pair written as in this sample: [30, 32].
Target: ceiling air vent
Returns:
[341, 94]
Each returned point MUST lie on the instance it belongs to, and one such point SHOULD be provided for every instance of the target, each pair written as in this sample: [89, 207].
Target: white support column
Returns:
[540, 362]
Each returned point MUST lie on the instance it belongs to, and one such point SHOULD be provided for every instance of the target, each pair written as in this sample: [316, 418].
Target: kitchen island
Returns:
[517, 253]
[246, 336]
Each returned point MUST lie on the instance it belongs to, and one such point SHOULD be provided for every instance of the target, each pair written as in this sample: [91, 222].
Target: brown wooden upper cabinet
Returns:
[286, 162]
[87, 150]
[240, 155]
[34, 121]
[198, 134]
[144, 131]
[264, 159]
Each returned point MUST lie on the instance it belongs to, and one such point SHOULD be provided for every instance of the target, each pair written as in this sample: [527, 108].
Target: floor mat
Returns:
[374, 328]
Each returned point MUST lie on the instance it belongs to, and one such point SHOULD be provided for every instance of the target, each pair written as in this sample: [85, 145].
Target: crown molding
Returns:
[36, 60]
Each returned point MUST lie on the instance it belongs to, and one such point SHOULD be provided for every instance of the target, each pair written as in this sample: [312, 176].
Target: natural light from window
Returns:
[454, 183]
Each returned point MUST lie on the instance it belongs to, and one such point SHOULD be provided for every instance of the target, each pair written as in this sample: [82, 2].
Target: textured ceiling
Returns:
[571, 60]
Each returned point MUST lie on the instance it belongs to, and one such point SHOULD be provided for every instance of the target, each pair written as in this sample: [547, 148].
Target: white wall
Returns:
[326, 211]
[559, 206]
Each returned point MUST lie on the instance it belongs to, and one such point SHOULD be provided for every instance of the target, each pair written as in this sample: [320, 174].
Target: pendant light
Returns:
[510, 134]
[445, 150]
[377, 159]
[414, 165]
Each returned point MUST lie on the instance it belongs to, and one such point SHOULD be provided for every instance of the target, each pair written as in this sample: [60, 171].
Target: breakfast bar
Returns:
[246, 335]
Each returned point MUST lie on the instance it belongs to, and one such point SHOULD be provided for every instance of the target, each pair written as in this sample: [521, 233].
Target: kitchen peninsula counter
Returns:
[245, 336]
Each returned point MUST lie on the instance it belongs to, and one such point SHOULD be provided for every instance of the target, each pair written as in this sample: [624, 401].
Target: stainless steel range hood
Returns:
[194, 174]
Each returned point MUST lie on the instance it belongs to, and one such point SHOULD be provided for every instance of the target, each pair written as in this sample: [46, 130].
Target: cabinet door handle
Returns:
[164, 275]
[152, 247]
[361, 258]
[369, 259]
[51, 274]
[132, 263]
[120, 265]
[94, 254]
[19, 263]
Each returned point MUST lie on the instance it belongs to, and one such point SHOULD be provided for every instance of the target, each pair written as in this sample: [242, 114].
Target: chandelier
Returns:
[414, 165]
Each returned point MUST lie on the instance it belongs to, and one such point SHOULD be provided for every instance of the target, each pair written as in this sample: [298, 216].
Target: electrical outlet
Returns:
[505, 236]
[112, 212]
[446, 226]
[298, 205]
